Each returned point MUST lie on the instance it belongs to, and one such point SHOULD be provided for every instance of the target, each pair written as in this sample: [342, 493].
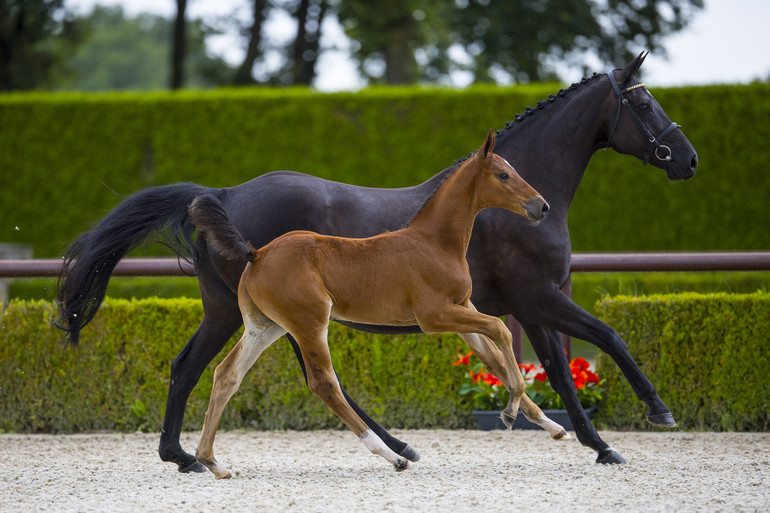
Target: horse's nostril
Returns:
[694, 162]
[545, 208]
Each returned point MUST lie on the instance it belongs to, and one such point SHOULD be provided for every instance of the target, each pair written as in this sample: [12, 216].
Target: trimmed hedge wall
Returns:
[117, 378]
[707, 355]
[66, 158]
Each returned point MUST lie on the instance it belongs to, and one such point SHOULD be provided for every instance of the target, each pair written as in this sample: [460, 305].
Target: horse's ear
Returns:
[489, 143]
[631, 69]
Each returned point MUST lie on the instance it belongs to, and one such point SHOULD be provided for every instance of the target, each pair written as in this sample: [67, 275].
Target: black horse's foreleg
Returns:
[568, 318]
[548, 348]
[395, 445]
[186, 370]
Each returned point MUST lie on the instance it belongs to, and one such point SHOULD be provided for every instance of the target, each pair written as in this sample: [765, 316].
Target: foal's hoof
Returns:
[195, 467]
[609, 456]
[507, 419]
[410, 454]
[402, 465]
[562, 435]
[661, 419]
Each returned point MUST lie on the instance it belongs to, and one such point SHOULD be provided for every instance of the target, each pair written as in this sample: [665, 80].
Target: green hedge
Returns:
[707, 355]
[117, 378]
[67, 158]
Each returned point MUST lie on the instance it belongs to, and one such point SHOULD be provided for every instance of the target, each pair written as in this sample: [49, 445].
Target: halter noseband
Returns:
[652, 140]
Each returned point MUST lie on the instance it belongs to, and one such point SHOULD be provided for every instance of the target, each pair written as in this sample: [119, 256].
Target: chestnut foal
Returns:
[416, 275]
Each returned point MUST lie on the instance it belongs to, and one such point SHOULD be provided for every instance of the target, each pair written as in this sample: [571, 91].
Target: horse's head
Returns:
[638, 125]
[501, 185]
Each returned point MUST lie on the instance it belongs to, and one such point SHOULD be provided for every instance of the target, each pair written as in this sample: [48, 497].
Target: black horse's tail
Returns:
[208, 214]
[90, 260]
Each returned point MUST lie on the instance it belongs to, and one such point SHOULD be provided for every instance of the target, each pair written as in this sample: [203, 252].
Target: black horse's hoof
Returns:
[662, 419]
[410, 454]
[193, 467]
[610, 457]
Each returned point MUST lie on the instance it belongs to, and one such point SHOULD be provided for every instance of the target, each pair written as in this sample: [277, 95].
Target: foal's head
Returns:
[501, 185]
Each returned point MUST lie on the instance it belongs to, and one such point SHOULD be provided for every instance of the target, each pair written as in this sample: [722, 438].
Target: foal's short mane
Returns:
[438, 186]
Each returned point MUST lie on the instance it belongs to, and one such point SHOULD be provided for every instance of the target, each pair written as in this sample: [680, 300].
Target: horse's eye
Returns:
[503, 176]
[644, 107]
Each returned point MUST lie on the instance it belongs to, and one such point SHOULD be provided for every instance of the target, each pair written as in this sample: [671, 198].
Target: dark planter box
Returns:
[489, 419]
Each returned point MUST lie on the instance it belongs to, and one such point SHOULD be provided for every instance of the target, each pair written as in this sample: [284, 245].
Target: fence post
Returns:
[11, 252]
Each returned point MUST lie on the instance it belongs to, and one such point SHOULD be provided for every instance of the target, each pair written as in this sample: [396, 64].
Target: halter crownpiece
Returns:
[652, 140]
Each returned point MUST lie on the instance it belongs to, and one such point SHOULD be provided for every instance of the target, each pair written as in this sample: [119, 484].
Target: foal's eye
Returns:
[503, 176]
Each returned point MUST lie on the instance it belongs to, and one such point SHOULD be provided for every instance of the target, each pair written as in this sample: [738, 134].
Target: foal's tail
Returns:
[90, 260]
[208, 214]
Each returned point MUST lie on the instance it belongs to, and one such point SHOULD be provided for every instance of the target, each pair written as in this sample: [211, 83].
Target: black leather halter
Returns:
[654, 145]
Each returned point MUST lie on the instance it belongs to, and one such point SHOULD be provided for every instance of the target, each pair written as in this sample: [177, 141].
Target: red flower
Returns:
[592, 377]
[579, 377]
[463, 360]
[541, 377]
[579, 363]
[527, 367]
[491, 380]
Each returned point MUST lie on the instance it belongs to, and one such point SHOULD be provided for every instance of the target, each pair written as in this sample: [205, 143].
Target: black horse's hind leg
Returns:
[547, 345]
[186, 370]
[567, 317]
[395, 445]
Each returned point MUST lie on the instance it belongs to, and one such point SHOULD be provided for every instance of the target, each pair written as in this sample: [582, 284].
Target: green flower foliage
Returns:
[67, 159]
[117, 378]
[705, 353]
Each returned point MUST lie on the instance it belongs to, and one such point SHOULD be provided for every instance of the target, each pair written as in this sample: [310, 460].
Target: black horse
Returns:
[550, 146]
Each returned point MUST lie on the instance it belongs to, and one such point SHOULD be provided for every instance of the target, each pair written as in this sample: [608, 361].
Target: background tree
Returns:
[389, 34]
[35, 38]
[297, 57]
[122, 53]
[178, 46]
[405, 41]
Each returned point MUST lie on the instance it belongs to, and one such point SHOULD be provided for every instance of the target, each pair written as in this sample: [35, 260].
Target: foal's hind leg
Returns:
[396, 445]
[227, 378]
[492, 359]
[323, 382]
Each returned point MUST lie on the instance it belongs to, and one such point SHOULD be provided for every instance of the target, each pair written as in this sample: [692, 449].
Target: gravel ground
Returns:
[330, 471]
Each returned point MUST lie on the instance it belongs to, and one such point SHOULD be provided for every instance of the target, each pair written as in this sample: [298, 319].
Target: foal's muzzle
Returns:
[537, 208]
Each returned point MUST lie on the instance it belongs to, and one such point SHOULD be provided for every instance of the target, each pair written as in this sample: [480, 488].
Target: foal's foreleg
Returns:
[227, 379]
[460, 319]
[492, 359]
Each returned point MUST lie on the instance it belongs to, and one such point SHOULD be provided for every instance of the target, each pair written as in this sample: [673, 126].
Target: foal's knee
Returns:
[502, 333]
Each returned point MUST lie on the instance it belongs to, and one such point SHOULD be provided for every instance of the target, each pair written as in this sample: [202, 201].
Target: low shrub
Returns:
[705, 353]
[117, 378]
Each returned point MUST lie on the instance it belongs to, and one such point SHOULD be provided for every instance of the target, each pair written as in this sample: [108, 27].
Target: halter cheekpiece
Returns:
[654, 145]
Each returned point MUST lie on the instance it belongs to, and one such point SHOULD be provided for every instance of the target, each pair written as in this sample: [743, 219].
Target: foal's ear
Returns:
[489, 143]
[628, 72]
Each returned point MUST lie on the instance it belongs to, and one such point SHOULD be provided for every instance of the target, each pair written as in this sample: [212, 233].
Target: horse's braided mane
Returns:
[540, 105]
[518, 118]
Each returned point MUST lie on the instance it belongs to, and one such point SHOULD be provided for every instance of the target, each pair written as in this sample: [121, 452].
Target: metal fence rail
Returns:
[581, 263]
